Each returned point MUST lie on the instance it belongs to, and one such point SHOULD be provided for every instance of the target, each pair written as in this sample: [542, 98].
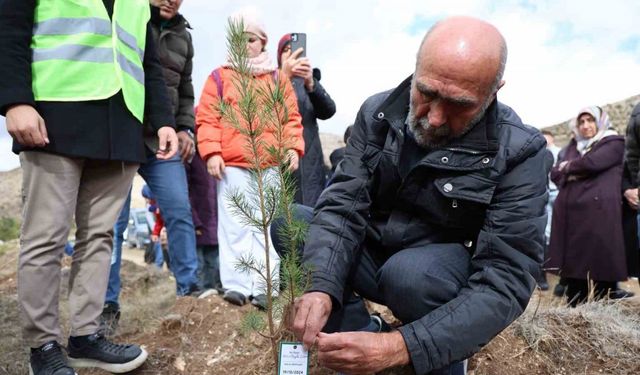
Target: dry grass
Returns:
[604, 335]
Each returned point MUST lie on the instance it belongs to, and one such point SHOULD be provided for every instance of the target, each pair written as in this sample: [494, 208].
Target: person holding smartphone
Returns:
[313, 103]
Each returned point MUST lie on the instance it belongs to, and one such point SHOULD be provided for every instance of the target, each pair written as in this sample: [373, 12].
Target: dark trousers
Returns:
[208, 267]
[578, 290]
[411, 283]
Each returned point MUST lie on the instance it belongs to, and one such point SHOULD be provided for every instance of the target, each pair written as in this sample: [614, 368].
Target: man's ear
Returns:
[502, 82]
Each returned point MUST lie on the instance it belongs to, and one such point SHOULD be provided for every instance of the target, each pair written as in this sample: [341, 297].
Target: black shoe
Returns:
[260, 301]
[235, 298]
[543, 285]
[49, 360]
[96, 351]
[559, 290]
[620, 294]
[109, 319]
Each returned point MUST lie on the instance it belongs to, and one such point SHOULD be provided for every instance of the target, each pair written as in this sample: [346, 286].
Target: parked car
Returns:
[138, 231]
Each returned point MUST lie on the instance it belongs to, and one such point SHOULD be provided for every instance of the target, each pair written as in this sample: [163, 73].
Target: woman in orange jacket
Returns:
[224, 149]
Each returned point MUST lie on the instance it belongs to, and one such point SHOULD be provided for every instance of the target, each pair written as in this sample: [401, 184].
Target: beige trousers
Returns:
[54, 188]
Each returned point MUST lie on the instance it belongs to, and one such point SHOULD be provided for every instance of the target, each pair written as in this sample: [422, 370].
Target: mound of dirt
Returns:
[205, 336]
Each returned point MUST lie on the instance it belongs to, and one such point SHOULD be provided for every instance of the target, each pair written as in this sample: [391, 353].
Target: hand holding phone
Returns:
[299, 40]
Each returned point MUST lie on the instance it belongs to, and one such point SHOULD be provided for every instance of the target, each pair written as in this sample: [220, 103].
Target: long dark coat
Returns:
[204, 205]
[310, 176]
[586, 231]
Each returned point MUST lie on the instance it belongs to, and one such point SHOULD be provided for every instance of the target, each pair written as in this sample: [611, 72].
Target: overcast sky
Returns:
[563, 55]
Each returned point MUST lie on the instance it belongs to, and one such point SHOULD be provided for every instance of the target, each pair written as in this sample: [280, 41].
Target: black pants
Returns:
[578, 290]
[411, 283]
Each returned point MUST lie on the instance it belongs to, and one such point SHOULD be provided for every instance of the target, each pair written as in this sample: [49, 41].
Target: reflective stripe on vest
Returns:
[89, 56]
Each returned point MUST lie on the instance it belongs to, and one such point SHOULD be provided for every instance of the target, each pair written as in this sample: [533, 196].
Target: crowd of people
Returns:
[436, 208]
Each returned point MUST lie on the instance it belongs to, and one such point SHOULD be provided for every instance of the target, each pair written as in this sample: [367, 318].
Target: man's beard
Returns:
[428, 136]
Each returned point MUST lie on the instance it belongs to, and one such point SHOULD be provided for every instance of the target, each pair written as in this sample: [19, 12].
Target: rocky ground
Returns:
[205, 336]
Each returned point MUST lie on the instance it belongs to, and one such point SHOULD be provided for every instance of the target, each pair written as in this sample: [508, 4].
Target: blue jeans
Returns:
[168, 182]
[386, 284]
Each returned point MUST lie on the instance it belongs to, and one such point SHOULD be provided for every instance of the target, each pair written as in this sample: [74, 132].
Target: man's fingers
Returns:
[43, 130]
[18, 137]
[315, 321]
[300, 321]
[330, 342]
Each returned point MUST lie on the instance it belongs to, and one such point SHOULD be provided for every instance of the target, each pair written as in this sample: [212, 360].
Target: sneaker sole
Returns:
[116, 368]
[31, 371]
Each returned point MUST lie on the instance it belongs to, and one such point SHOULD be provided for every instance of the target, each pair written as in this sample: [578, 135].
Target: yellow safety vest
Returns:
[79, 54]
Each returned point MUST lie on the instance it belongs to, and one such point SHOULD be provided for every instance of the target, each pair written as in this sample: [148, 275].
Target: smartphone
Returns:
[299, 40]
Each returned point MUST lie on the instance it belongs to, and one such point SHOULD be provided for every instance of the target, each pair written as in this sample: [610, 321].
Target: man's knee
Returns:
[416, 281]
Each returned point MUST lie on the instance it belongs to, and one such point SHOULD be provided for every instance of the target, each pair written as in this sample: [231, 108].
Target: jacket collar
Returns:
[482, 137]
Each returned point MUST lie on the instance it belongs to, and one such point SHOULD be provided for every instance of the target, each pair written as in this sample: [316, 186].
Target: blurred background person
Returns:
[587, 244]
[314, 103]
[223, 148]
[204, 208]
[166, 178]
[337, 155]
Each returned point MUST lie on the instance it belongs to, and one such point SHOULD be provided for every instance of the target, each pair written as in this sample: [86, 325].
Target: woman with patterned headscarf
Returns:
[587, 244]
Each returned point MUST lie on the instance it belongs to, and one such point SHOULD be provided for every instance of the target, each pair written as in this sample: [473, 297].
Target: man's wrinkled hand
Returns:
[26, 126]
[187, 147]
[362, 352]
[311, 313]
[168, 143]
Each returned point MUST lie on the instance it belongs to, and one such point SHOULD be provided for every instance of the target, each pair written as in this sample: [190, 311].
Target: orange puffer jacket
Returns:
[217, 136]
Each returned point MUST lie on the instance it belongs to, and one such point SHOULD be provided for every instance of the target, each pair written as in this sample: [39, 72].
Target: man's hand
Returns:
[168, 143]
[187, 148]
[362, 352]
[26, 126]
[632, 197]
[311, 313]
[215, 166]
[293, 159]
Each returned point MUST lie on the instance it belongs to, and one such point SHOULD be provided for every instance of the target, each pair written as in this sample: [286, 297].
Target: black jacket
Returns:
[99, 129]
[175, 52]
[632, 146]
[485, 190]
[310, 176]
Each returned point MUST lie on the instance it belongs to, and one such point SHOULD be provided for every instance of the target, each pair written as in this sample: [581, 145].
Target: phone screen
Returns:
[299, 40]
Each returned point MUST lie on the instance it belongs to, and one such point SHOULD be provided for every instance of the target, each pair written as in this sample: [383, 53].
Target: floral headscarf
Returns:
[603, 124]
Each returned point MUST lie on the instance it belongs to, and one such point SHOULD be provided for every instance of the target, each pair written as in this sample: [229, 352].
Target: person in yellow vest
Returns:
[78, 77]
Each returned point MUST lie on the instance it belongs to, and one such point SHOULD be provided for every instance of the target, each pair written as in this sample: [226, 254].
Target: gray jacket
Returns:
[485, 190]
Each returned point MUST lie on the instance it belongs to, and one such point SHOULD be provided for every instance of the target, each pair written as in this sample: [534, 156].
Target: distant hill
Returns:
[11, 182]
[619, 113]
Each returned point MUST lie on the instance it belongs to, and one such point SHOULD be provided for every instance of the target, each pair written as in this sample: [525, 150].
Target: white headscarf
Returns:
[603, 124]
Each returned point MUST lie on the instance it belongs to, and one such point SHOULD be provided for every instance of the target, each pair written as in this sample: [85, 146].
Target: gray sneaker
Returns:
[48, 359]
[96, 351]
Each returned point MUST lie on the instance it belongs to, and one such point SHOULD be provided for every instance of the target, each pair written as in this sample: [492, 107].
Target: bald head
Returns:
[458, 73]
[474, 48]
